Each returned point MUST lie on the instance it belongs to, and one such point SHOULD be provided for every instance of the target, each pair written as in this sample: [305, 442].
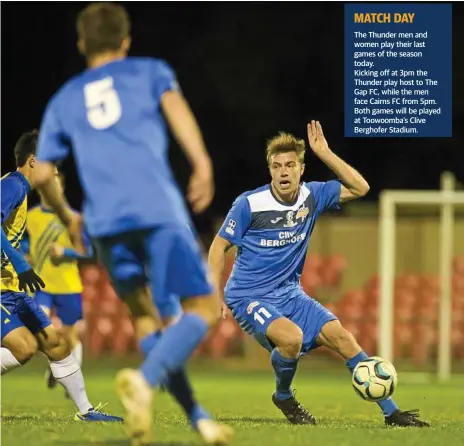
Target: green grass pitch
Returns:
[33, 415]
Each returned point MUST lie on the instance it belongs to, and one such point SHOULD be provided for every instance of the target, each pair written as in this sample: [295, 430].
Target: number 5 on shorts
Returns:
[257, 316]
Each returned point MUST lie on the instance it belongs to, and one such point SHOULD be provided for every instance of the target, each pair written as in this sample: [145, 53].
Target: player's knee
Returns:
[207, 307]
[25, 350]
[286, 336]
[292, 342]
[51, 343]
[58, 349]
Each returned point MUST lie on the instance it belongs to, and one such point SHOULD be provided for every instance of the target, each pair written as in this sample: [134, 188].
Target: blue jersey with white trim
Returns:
[110, 118]
[272, 237]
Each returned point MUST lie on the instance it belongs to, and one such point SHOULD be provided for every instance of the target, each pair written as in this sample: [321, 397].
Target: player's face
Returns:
[286, 170]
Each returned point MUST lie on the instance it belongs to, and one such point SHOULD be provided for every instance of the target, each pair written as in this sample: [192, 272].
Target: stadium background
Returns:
[250, 70]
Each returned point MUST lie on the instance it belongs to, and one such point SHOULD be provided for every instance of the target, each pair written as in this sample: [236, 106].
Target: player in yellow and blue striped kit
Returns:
[25, 326]
[47, 245]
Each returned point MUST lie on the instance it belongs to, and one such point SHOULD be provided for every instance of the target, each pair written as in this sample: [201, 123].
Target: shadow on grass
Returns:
[41, 418]
[253, 420]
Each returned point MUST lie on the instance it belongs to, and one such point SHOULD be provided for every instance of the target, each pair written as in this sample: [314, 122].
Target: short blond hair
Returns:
[285, 142]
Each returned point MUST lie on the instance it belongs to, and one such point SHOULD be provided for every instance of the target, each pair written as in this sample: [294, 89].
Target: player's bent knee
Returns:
[286, 336]
[51, 343]
[57, 351]
[208, 307]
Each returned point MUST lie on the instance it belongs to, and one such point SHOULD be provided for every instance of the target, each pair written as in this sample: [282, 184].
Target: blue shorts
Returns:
[68, 306]
[20, 310]
[168, 257]
[255, 314]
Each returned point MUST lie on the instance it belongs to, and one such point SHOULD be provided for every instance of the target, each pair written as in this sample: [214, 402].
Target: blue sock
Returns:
[179, 387]
[285, 369]
[388, 406]
[147, 343]
[173, 348]
[178, 384]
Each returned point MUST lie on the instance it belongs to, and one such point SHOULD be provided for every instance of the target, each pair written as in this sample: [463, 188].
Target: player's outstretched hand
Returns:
[56, 253]
[316, 138]
[29, 279]
[200, 191]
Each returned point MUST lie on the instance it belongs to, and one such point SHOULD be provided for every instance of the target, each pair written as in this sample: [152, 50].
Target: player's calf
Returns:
[288, 340]
[179, 340]
[334, 336]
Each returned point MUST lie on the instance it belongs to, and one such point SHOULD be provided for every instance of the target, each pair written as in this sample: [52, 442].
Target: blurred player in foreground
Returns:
[111, 118]
[46, 243]
[25, 326]
[271, 227]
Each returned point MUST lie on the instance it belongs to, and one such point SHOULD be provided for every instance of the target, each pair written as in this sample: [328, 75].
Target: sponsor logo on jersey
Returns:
[231, 227]
[251, 306]
[275, 221]
[285, 238]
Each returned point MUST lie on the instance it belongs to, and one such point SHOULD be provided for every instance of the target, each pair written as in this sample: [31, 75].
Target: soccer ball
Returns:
[374, 379]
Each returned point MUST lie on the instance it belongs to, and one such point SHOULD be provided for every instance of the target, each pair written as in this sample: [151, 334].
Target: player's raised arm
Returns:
[187, 133]
[353, 183]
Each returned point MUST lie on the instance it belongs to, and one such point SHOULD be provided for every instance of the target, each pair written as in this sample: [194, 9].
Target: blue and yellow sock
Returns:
[388, 406]
[284, 369]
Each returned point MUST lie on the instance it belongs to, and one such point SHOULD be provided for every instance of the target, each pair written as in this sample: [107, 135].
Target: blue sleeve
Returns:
[326, 194]
[164, 79]
[12, 195]
[237, 221]
[25, 247]
[53, 144]
[14, 256]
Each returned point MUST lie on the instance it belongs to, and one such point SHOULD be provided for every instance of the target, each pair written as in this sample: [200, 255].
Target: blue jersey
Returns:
[272, 237]
[110, 118]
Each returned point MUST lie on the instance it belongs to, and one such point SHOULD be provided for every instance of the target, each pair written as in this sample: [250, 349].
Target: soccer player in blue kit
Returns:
[111, 117]
[271, 227]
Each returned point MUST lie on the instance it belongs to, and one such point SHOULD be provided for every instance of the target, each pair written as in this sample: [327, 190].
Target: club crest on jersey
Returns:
[289, 218]
[302, 213]
[251, 306]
